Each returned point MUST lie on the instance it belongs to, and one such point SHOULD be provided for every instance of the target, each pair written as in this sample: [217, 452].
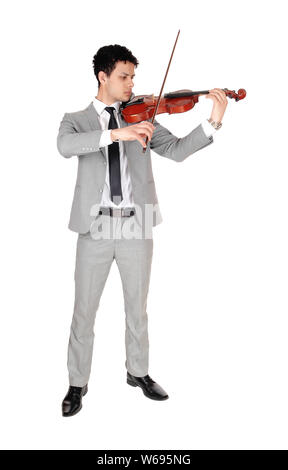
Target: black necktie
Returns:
[114, 162]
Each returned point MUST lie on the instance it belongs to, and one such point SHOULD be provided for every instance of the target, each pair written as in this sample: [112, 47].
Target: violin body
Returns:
[142, 107]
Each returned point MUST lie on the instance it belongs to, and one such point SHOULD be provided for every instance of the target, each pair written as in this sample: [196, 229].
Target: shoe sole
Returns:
[146, 394]
[75, 412]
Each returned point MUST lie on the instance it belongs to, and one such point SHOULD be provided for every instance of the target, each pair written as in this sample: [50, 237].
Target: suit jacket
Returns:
[79, 135]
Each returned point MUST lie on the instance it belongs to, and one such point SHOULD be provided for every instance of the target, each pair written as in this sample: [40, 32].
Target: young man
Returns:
[114, 188]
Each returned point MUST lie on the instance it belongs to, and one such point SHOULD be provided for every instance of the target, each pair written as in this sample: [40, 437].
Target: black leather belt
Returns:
[115, 212]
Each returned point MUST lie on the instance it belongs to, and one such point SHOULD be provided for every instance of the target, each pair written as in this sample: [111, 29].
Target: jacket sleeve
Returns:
[168, 145]
[71, 142]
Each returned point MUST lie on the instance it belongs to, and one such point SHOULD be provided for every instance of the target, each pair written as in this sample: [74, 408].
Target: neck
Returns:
[105, 97]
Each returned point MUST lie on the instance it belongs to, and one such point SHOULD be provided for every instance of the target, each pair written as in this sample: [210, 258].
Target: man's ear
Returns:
[101, 75]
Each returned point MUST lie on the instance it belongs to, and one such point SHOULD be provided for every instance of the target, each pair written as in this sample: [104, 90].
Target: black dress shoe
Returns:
[150, 388]
[72, 403]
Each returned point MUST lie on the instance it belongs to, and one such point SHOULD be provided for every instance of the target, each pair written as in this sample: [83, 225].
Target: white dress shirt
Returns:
[106, 140]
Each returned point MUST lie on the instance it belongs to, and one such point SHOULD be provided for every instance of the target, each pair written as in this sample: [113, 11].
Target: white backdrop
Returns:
[217, 303]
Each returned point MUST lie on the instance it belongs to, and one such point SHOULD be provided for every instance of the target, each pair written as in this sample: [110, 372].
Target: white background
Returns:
[217, 303]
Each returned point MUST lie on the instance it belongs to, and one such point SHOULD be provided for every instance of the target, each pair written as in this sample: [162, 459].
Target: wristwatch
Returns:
[215, 124]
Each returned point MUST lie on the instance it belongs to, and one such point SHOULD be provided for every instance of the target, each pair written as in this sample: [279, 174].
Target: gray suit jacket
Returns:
[79, 135]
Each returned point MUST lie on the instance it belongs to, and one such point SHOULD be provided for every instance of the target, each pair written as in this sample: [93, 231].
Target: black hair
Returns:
[106, 58]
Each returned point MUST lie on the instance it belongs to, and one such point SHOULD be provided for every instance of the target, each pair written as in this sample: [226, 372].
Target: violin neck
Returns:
[183, 94]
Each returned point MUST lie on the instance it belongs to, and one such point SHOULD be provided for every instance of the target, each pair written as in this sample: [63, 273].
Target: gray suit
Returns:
[79, 135]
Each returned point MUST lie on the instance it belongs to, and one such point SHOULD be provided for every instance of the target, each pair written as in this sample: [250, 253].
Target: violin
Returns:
[145, 107]
[142, 107]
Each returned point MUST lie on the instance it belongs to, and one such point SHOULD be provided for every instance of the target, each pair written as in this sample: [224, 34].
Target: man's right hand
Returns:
[135, 132]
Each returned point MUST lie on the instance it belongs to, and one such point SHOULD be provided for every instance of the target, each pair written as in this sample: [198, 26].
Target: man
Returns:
[114, 188]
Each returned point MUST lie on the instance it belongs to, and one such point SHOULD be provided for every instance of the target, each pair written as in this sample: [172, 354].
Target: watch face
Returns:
[215, 124]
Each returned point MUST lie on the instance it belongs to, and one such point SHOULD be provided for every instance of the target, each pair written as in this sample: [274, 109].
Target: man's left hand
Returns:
[219, 104]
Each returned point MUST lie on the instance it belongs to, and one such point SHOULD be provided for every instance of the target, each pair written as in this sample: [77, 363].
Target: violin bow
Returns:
[160, 94]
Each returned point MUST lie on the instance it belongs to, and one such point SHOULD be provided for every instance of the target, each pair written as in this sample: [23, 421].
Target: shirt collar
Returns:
[100, 106]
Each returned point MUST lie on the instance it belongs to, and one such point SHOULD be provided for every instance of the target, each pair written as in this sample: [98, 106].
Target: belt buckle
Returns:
[116, 212]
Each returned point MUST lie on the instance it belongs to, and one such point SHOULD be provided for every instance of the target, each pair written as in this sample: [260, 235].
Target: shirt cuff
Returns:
[208, 128]
[105, 138]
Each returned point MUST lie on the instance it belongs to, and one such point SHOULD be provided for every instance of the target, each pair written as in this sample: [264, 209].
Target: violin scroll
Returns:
[237, 96]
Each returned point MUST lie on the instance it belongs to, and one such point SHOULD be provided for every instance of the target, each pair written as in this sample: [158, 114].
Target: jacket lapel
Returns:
[94, 123]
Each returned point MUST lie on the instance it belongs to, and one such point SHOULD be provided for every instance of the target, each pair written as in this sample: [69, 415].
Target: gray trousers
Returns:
[94, 257]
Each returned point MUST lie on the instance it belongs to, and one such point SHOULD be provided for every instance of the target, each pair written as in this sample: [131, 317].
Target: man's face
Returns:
[120, 83]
